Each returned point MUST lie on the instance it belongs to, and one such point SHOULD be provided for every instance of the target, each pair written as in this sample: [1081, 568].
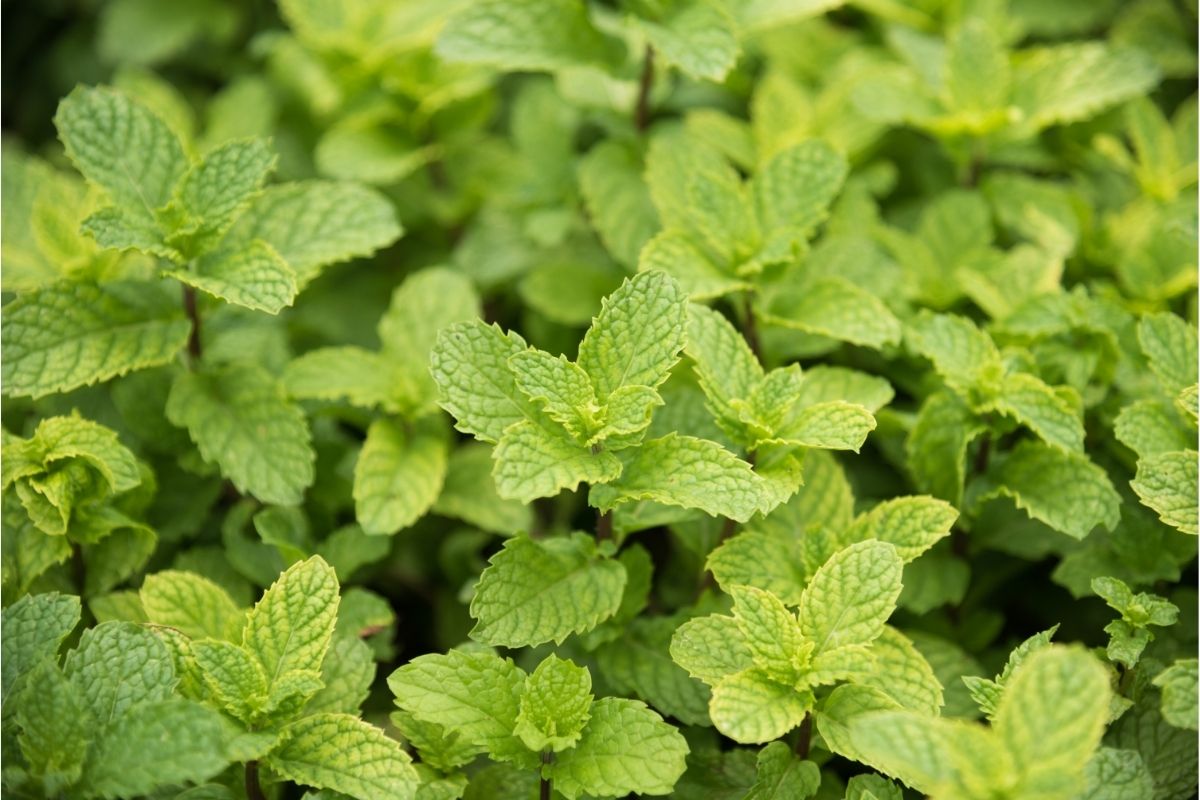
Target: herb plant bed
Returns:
[571, 399]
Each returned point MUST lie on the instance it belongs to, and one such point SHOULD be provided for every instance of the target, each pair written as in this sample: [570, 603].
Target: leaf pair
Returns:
[211, 219]
[108, 723]
[1047, 726]
[556, 422]
[279, 671]
[971, 84]
[1162, 431]
[764, 663]
[1129, 635]
[769, 413]
[698, 36]
[403, 462]
[601, 748]
[783, 560]
[718, 233]
[76, 484]
[981, 387]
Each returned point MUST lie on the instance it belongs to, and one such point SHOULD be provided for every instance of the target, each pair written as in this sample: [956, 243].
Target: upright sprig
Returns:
[546, 721]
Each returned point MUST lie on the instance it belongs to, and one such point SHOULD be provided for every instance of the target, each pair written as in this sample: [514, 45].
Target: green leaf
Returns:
[793, 191]
[833, 306]
[937, 445]
[58, 439]
[234, 677]
[192, 604]
[976, 72]
[1051, 717]
[427, 302]
[833, 425]
[559, 388]
[987, 693]
[289, 629]
[911, 524]
[639, 663]
[1062, 489]
[1069, 82]
[555, 705]
[1114, 774]
[1166, 482]
[470, 364]
[938, 757]
[122, 147]
[851, 596]
[1178, 684]
[536, 460]
[523, 35]
[698, 277]
[362, 377]
[168, 742]
[726, 366]
[1029, 401]
[118, 666]
[637, 337]
[31, 631]
[618, 203]
[770, 632]
[903, 674]
[345, 754]
[52, 739]
[469, 493]
[1148, 427]
[690, 473]
[625, 748]
[314, 223]
[961, 353]
[699, 37]
[764, 559]
[782, 774]
[240, 419]
[750, 707]
[711, 648]
[398, 475]
[476, 694]
[536, 591]
[250, 274]
[347, 672]
[1170, 346]
[71, 335]
[216, 190]
[122, 229]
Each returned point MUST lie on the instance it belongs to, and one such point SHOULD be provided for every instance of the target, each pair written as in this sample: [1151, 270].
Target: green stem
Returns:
[547, 786]
[604, 526]
[750, 324]
[253, 790]
[641, 109]
[189, 306]
[804, 740]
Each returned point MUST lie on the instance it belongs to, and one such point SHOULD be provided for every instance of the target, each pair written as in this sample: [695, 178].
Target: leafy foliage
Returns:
[693, 398]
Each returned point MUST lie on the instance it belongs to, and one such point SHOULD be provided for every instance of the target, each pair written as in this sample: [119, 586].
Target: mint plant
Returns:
[547, 721]
[758, 400]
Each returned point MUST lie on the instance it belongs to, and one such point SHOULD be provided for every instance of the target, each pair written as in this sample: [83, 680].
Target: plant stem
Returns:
[189, 306]
[604, 526]
[751, 328]
[253, 790]
[1126, 682]
[78, 566]
[641, 110]
[981, 455]
[804, 741]
[547, 786]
